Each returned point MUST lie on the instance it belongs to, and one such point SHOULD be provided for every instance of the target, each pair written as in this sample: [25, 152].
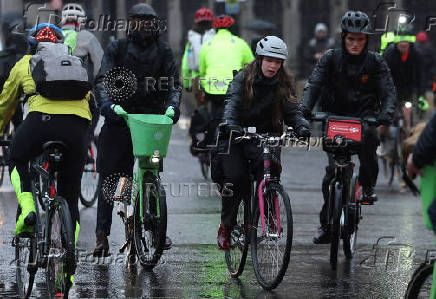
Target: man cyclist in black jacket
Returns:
[357, 83]
[147, 57]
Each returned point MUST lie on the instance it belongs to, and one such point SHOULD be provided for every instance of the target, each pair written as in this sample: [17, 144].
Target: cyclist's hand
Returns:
[107, 111]
[303, 132]
[119, 110]
[423, 104]
[173, 113]
[411, 168]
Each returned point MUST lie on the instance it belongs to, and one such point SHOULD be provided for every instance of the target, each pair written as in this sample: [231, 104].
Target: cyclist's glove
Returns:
[173, 112]
[423, 104]
[107, 111]
[384, 119]
[303, 131]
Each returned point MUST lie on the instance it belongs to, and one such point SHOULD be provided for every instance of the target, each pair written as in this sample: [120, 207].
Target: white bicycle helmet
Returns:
[272, 46]
[73, 12]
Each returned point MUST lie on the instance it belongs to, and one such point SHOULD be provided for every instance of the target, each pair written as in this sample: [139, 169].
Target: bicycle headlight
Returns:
[338, 140]
[408, 104]
[155, 157]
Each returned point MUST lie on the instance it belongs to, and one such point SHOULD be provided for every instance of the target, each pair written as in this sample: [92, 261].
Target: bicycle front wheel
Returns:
[61, 260]
[271, 237]
[90, 184]
[237, 255]
[352, 216]
[336, 225]
[150, 229]
[25, 264]
[421, 282]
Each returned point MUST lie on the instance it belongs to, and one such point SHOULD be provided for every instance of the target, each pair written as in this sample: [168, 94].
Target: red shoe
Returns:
[223, 238]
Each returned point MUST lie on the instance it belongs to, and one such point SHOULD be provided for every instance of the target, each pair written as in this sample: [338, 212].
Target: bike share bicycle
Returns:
[51, 244]
[342, 138]
[265, 219]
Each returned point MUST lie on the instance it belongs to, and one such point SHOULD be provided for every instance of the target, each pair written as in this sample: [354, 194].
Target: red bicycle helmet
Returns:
[223, 21]
[203, 14]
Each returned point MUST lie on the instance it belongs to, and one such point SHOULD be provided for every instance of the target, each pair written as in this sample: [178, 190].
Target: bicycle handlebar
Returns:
[288, 136]
[323, 116]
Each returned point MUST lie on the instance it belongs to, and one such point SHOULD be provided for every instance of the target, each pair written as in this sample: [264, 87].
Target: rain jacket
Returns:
[221, 55]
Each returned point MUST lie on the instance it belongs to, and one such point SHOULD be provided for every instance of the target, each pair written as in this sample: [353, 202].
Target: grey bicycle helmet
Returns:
[142, 10]
[355, 22]
[272, 46]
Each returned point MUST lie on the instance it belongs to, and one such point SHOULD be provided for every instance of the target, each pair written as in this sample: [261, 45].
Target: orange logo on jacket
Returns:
[364, 78]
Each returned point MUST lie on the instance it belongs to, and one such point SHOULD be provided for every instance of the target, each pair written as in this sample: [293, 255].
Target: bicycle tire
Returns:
[90, 184]
[154, 227]
[239, 239]
[204, 164]
[25, 262]
[271, 190]
[336, 225]
[351, 213]
[59, 269]
[417, 280]
[2, 172]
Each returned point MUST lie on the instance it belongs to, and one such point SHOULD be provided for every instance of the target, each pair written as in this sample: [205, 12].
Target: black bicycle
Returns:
[421, 282]
[265, 219]
[90, 177]
[51, 244]
[4, 151]
[342, 138]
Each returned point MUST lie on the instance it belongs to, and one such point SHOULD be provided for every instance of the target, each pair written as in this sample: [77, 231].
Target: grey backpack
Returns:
[57, 74]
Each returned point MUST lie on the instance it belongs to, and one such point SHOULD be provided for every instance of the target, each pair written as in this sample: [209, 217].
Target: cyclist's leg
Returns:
[25, 145]
[368, 170]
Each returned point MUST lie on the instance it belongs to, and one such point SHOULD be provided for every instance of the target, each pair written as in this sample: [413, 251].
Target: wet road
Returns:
[194, 268]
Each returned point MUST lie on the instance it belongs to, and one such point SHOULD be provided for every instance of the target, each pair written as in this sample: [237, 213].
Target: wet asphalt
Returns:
[392, 241]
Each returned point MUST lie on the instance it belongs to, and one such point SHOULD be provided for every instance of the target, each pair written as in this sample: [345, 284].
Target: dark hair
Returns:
[285, 90]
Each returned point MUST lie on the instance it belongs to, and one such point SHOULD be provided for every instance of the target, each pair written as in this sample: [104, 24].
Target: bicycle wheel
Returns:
[239, 240]
[271, 241]
[336, 224]
[90, 179]
[352, 216]
[61, 259]
[204, 164]
[421, 282]
[25, 262]
[150, 232]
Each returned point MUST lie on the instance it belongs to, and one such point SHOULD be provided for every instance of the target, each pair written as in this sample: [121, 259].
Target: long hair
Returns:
[285, 90]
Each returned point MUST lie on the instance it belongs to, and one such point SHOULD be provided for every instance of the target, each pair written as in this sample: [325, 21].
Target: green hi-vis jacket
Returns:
[219, 57]
[20, 81]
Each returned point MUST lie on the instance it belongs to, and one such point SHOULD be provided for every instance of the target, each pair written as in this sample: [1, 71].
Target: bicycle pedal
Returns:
[367, 203]
[124, 247]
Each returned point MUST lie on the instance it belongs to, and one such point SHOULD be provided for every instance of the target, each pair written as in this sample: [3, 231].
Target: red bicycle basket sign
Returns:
[350, 129]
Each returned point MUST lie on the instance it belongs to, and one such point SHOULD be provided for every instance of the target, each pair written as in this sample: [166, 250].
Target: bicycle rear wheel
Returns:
[352, 217]
[271, 243]
[90, 179]
[421, 282]
[61, 260]
[150, 233]
[25, 264]
[335, 228]
[239, 241]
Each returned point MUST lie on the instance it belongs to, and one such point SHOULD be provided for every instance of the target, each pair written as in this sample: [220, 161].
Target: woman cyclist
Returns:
[261, 96]
[48, 120]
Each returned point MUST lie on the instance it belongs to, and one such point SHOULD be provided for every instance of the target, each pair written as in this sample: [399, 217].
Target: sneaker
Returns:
[101, 245]
[322, 236]
[223, 238]
[368, 196]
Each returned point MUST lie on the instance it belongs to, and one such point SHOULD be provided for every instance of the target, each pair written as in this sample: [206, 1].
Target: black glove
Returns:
[384, 119]
[303, 132]
[107, 111]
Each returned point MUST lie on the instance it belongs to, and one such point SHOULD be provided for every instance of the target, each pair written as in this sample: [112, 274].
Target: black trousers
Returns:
[39, 128]
[368, 170]
[114, 157]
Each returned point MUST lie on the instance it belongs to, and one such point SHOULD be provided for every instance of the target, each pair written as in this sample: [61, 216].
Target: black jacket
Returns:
[408, 75]
[261, 112]
[355, 88]
[153, 59]
[424, 151]
[429, 63]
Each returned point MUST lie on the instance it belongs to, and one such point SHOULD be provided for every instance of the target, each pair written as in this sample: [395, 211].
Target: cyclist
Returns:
[147, 57]
[357, 84]
[262, 95]
[63, 120]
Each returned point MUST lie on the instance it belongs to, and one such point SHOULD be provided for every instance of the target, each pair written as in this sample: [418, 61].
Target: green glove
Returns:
[423, 104]
[119, 110]
[170, 112]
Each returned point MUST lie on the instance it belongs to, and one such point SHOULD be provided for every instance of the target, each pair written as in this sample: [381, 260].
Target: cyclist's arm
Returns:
[424, 151]
[95, 52]
[420, 75]
[172, 73]
[234, 98]
[293, 115]
[107, 63]
[186, 74]
[202, 61]
[247, 54]
[385, 87]
[317, 80]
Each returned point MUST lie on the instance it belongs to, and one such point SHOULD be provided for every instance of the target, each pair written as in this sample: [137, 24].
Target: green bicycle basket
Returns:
[150, 132]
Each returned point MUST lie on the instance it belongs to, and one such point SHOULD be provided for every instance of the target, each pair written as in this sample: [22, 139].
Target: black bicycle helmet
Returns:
[142, 10]
[355, 22]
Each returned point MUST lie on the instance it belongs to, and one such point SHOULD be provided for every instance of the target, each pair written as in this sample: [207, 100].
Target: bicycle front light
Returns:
[408, 105]
[155, 158]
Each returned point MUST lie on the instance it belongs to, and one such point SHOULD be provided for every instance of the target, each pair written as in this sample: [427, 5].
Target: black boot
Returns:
[368, 196]
[101, 245]
[322, 236]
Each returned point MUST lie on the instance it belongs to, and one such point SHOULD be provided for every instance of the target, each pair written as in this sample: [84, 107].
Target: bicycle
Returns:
[4, 151]
[90, 179]
[270, 204]
[51, 244]
[145, 228]
[342, 138]
[420, 284]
